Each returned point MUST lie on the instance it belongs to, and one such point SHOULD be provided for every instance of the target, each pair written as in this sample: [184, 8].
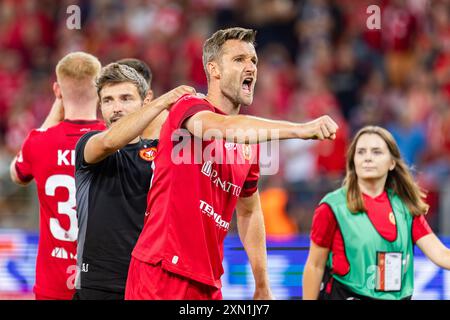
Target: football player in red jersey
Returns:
[47, 156]
[190, 205]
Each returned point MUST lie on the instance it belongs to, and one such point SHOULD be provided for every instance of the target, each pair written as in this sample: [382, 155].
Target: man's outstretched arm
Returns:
[235, 128]
[101, 145]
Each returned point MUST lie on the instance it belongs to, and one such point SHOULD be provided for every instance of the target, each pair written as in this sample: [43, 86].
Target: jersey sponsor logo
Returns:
[148, 154]
[66, 157]
[210, 212]
[207, 170]
[85, 129]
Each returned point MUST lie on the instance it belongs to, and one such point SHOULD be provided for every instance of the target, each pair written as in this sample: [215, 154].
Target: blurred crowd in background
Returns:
[315, 57]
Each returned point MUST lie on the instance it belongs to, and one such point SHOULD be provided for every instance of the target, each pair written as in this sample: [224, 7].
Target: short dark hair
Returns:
[140, 66]
[120, 73]
[212, 48]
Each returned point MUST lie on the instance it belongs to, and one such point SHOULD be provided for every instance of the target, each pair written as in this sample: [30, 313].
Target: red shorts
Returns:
[151, 282]
[42, 297]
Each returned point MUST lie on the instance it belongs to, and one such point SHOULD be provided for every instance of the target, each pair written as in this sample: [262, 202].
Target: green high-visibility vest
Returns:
[362, 243]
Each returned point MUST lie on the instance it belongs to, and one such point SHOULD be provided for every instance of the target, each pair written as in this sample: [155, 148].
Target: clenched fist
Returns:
[321, 128]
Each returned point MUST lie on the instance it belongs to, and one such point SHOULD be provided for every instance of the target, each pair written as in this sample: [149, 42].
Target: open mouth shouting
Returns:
[247, 85]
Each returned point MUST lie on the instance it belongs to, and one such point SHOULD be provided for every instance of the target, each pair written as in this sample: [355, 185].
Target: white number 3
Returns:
[68, 207]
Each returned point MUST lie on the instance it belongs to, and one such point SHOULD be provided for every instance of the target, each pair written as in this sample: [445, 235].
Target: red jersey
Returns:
[195, 188]
[325, 231]
[48, 156]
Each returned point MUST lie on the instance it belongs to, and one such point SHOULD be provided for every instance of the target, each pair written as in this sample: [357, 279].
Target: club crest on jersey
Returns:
[148, 154]
[247, 151]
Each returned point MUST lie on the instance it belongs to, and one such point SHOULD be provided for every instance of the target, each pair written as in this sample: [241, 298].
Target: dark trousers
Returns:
[334, 290]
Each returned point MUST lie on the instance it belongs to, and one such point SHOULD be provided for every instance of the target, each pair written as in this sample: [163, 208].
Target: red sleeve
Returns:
[24, 160]
[185, 108]
[251, 182]
[324, 226]
[420, 228]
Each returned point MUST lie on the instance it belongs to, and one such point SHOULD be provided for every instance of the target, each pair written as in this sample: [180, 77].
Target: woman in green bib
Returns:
[363, 234]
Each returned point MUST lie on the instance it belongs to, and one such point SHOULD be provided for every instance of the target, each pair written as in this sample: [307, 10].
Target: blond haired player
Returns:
[47, 156]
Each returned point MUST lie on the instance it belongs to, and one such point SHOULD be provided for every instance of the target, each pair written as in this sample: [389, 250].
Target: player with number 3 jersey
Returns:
[47, 155]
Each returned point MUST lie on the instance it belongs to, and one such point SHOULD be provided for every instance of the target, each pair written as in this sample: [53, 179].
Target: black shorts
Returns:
[93, 294]
[332, 289]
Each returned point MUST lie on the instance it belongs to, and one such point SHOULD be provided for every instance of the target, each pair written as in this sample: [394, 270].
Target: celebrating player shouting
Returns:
[180, 250]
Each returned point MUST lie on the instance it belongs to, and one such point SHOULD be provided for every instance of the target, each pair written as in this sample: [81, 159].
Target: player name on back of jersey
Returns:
[66, 158]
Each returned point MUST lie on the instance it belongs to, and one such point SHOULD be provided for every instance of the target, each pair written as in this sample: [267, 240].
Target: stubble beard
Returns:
[232, 92]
